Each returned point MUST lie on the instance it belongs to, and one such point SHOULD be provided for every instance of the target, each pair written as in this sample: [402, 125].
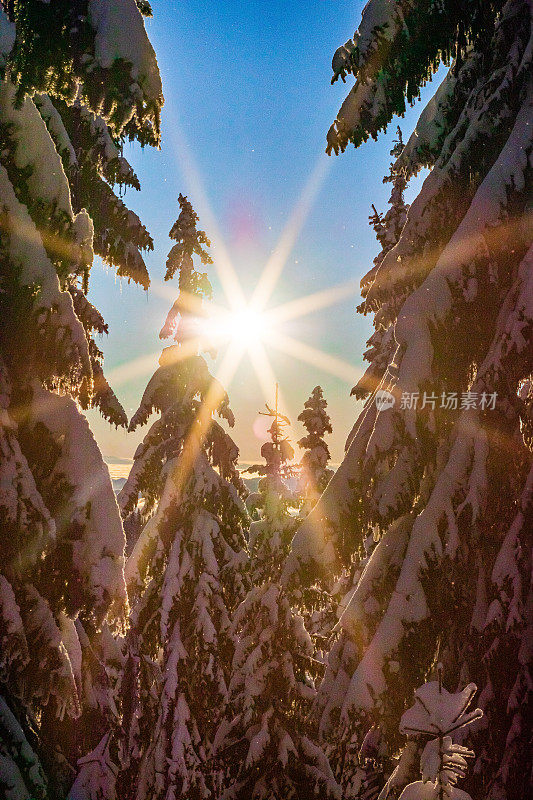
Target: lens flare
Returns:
[245, 326]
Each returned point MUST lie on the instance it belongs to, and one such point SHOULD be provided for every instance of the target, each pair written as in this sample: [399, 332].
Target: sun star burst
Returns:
[243, 325]
[248, 328]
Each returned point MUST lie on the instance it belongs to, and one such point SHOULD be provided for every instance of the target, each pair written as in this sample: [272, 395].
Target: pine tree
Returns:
[147, 477]
[60, 531]
[270, 535]
[187, 571]
[314, 470]
[441, 472]
[100, 664]
[356, 764]
[387, 228]
[318, 607]
[265, 744]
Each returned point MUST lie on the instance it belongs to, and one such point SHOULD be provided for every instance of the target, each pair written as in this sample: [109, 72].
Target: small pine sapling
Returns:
[434, 717]
[315, 473]
[272, 529]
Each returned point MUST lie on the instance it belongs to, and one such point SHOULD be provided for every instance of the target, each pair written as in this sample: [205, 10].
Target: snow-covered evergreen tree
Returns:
[61, 536]
[181, 369]
[270, 535]
[100, 667]
[265, 744]
[315, 473]
[387, 228]
[440, 468]
[433, 720]
[187, 571]
[316, 605]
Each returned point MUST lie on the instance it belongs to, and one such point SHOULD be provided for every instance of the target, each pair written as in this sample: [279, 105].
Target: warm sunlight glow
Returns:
[244, 326]
[247, 325]
[251, 328]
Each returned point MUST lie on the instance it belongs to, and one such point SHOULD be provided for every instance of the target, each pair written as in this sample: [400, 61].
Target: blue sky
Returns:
[248, 105]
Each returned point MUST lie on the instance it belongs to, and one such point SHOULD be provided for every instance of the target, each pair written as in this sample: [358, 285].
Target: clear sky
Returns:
[248, 105]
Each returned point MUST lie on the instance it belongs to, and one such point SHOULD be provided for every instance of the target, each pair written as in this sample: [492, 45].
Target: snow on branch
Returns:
[27, 252]
[98, 554]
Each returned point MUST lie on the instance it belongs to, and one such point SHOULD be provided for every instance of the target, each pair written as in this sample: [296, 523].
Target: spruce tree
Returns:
[441, 473]
[146, 480]
[265, 744]
[187, 571]
[61, 535]
[315, 473]
[317, 607]
[387, 227]
[270, 535]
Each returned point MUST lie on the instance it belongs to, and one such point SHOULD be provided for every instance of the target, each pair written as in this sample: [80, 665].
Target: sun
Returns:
[245, 326]
[248, 323]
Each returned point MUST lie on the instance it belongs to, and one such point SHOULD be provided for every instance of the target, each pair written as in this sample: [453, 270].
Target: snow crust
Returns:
[120, 33]
[437, 711]
[35, 149]
[55, 125]
[96, 776]
[98, 555]
[27, 252]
